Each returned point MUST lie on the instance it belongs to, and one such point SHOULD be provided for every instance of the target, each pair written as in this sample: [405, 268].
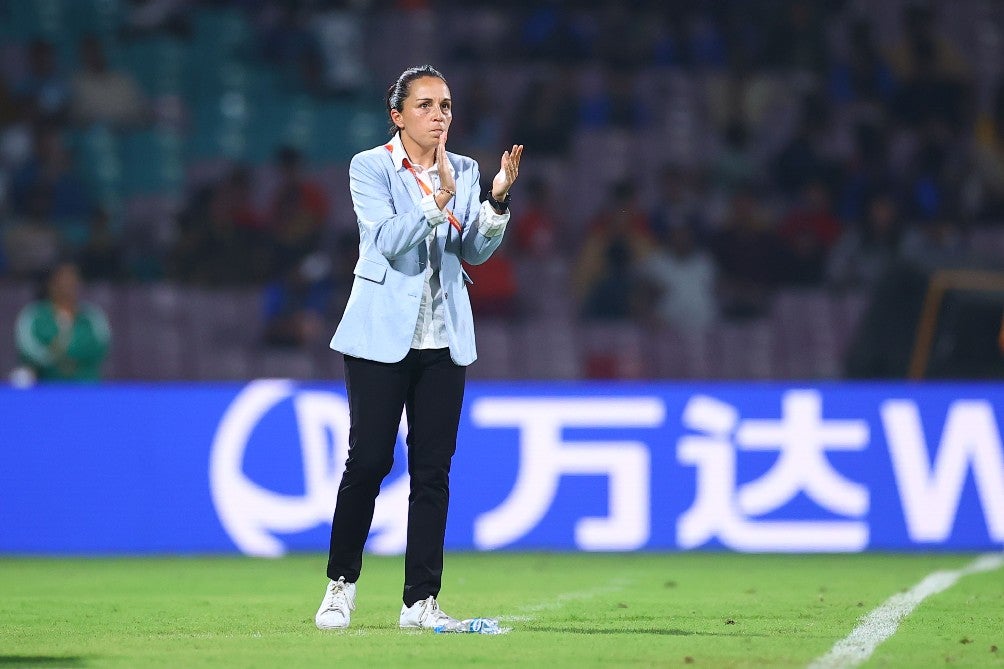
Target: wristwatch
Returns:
[499, 207]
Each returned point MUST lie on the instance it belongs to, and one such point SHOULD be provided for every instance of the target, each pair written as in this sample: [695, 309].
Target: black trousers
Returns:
[430, 388]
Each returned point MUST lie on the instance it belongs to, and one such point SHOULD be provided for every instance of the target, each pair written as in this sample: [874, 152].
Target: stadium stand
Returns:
[746, 107]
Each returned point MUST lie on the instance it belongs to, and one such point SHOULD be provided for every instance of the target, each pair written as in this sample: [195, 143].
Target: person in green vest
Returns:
[61, 338]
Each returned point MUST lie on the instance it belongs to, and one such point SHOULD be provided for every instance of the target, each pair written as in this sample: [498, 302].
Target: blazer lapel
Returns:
[407, 180]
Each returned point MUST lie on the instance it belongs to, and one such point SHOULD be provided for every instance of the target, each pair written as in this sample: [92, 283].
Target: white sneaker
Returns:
[425, 614]
[338, 604]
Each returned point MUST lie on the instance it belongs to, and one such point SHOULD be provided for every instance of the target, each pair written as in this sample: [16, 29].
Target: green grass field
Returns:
[565, 610]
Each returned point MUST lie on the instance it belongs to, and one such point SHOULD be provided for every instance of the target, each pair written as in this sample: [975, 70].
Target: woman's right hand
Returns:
[446, 180]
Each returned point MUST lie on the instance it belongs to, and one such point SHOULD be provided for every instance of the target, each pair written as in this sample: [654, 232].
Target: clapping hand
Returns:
[508, 172]
[446, 179]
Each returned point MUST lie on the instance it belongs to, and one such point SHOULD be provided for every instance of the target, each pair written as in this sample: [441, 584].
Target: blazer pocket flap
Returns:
[373, 271]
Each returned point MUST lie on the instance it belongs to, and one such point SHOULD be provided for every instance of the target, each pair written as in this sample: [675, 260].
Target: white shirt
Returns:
[688, 283]
[430, 330]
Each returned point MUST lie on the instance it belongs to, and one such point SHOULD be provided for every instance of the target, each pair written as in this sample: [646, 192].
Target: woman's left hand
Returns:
[507, 172]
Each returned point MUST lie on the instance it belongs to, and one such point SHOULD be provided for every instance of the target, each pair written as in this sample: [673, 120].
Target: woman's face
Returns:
[64, 286]
[426, 113]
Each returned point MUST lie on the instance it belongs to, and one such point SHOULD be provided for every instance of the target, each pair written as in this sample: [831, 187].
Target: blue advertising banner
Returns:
[599, 467]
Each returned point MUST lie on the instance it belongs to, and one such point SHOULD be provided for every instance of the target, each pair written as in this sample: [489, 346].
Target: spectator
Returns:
[51, 174]
[863, 253]
[929, 93]
[44, 90]
[808, 232]
[536, 227]
[341, 37]
[933, 244]
[479, 129]
[11, 109]
[679, 201]
[797, 40]
[708, 45]
[613, 295]
[921, 39]
[549, 33]
[60, 338]
[682, 277]
[288, 42]
[15, 139]
[297, 304]
[102, 257]
[988, 161]
[864, 172]
[748, 254]
[298, 212]
[102, 95]
[930, 188]
[31, 243]
[733, 166]
[615, 104]
[805, 157]
[670, 42]
[345, 255]
[626, 38]
[49, 205]
[546, 114]
[495, 292]
[863, 78]
[222, 240]
[617, 240]
[234, 202]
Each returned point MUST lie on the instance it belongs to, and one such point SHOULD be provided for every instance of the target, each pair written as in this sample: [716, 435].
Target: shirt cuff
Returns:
[491, 224]
[433, 214]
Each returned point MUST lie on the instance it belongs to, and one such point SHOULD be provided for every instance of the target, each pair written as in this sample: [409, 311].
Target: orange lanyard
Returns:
[428, 191]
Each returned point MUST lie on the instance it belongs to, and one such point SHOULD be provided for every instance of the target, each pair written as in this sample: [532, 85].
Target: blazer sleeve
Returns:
[390, 232]
[476, 247]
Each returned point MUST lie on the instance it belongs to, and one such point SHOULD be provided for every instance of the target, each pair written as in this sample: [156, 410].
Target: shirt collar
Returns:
[398, 155]
[397, 152]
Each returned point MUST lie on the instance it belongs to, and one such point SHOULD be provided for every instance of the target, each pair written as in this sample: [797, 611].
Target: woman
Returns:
[407, 334]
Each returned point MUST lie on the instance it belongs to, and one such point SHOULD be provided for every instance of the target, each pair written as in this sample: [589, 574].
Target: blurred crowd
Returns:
[830, 154]
[685, 160]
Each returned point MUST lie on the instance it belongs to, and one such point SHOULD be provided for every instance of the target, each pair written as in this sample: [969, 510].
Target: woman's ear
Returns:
[396, 118]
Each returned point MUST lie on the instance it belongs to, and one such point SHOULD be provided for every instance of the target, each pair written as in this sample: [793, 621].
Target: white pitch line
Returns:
[527, 613]
[883, 621]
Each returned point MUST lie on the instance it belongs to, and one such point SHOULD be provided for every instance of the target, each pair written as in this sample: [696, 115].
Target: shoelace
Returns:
[434, 613]
[338, 600]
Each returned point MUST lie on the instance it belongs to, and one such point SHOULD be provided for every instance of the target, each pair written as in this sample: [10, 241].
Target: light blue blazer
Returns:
[382, 310]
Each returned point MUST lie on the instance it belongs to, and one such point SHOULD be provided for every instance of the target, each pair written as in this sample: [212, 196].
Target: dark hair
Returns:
[400, 89]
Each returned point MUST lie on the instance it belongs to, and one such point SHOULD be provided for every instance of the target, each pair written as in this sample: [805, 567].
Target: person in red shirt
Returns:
[808, 232]
[298, 211]
[536, 227]
[494, 293]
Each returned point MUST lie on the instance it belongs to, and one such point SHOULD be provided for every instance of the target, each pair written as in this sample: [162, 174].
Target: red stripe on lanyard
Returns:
[428, 191]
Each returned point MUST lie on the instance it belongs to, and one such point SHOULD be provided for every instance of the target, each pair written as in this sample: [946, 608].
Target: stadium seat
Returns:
[13, 297]
[545, 348]
[494, 345]
[161, 65]
[614, 350]
[98, 158]
[152, 162]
